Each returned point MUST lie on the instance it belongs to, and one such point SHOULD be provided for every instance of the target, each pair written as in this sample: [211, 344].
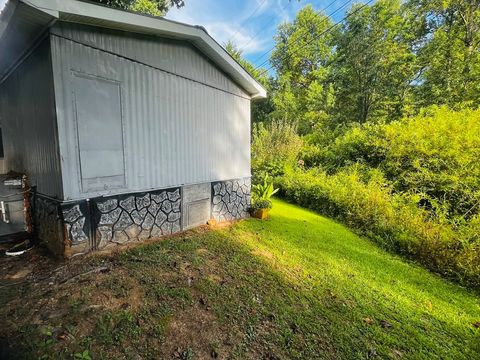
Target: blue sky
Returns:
[232, 20]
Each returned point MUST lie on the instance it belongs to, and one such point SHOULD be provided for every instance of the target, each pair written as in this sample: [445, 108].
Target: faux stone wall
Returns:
[88, 225]
[231, 199]
[138, 216]
[47, 224]
[76, 218]
[69, 229]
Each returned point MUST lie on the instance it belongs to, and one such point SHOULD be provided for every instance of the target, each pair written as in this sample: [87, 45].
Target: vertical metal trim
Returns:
[55, 116]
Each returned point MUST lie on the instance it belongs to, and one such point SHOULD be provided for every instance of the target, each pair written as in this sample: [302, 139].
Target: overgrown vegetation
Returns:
[298, 286]
[413, 185]
[376, 122]
[149, 7]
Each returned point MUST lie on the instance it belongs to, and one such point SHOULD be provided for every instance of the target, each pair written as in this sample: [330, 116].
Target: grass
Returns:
[296, 286]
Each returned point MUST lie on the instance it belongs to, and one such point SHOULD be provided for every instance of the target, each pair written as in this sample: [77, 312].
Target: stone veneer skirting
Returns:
[230, 199]
[92, 224]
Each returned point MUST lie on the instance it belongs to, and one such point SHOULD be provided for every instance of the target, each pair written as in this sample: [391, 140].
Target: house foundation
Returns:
[71, 228]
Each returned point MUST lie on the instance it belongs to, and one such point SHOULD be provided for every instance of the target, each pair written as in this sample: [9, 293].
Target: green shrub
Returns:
[364, 200]
[274, 147]
[435, 154]
[265, 190]
[262, 193]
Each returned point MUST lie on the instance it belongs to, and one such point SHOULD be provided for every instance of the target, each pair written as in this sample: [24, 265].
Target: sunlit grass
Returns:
[297, 286]
[350, 281]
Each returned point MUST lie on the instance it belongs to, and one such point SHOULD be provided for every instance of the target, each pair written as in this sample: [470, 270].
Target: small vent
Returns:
[196, 205]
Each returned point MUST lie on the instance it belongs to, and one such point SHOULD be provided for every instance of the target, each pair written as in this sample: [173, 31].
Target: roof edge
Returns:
[75, 11]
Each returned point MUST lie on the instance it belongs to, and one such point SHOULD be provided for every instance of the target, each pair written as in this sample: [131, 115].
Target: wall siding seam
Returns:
[150, 66]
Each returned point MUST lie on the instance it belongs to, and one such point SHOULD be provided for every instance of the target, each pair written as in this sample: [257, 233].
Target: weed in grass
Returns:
[187, 354]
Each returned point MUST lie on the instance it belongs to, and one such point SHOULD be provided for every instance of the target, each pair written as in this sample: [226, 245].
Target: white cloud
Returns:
[251, 24]
[238, 21]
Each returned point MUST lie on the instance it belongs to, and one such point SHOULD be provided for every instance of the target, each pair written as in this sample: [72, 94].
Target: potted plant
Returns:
[260, 208]
[261, 194]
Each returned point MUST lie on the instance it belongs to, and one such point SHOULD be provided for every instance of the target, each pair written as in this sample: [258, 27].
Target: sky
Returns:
[250, 24]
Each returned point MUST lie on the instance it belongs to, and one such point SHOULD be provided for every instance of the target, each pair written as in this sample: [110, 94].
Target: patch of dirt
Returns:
[133, 298]
[197, 329]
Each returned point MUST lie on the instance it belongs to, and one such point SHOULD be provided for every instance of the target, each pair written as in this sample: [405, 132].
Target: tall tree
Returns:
[448, 48]
[301, 58]
[151, 7]
[260, 108]
[374, 64]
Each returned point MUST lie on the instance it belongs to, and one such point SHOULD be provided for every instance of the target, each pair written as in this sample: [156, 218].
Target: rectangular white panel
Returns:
[99, 130]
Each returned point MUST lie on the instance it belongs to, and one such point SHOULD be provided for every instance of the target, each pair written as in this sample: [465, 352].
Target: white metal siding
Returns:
[27, 117]
[176, 131]
[178, 57]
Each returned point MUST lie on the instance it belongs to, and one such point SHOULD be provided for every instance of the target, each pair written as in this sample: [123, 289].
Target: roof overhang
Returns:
[22, 23]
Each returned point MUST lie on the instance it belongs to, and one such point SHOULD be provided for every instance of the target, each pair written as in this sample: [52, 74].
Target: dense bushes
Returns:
[412, 185]
[368, 204]
[274, 147]
[435, 154]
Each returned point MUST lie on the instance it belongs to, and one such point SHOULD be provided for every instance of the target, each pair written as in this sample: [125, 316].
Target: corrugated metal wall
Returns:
[27, 117]
[178, 57]
[176, 131]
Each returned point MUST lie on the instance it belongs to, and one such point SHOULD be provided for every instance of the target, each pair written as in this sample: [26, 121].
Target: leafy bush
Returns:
[262, 193]
[265, 190]
[364, 200]
[274, 147]
[435, 155]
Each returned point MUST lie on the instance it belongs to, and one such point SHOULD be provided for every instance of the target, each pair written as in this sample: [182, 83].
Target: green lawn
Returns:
[296, 286]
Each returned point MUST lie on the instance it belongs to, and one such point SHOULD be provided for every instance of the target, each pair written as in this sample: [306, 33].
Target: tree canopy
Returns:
[151, 7]
[382, 62]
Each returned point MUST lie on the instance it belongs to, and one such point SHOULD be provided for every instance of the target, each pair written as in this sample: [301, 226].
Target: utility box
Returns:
[14, 200]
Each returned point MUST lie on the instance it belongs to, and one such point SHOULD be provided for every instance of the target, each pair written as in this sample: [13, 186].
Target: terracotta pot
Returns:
[261, 214]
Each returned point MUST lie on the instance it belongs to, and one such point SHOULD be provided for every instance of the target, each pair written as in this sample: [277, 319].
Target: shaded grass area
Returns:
[295, 286]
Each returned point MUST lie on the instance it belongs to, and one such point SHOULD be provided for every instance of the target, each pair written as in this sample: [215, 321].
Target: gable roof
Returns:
[24, 22]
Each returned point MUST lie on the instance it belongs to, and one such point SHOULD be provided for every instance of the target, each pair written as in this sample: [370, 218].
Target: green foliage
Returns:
[364, 200]
[304, 94]
[412, 184]
[262, 194]
[373, 65]
[434, 155]
[275, 146]
[265, 190]
[84, 355]
[447, 40]
[150, 7]
[386, 61]
[146, 7]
